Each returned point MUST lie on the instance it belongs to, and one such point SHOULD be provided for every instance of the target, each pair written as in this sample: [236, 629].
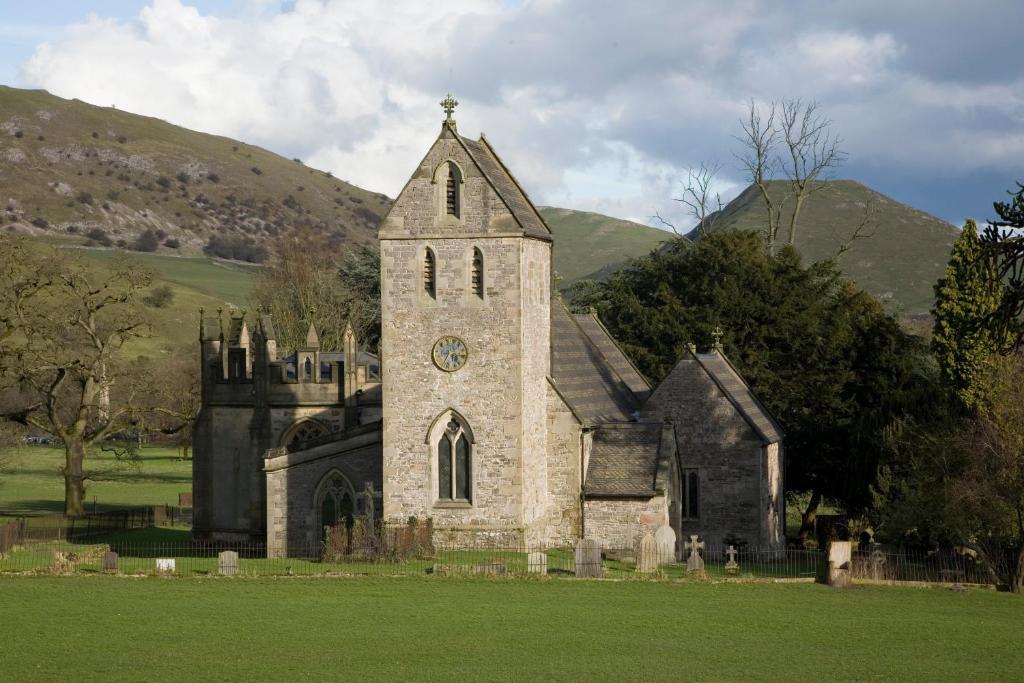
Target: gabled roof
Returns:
[599, 335]
[238, 331]
[738, 392]
[584, 378]
[629, 459]
[507, 187]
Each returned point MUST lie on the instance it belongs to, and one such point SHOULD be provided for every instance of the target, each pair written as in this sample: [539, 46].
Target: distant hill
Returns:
[902, 254]
[591, 245]
[95, 175]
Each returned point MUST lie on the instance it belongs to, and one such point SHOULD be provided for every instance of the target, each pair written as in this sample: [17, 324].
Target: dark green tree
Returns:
[831, 365]
[966, 296]
[1004, 242]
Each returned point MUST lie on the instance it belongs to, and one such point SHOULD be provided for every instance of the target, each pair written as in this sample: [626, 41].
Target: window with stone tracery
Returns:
[454, 462]
[303, 432]
[336, 504]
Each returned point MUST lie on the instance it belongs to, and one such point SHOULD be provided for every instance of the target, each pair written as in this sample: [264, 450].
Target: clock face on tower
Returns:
[450, 353]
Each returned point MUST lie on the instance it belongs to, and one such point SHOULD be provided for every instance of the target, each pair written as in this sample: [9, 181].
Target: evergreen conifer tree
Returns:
[965, 297]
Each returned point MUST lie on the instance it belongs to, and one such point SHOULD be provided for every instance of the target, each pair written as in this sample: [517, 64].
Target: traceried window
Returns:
[691, 494]
[451, 191]
[453, 464]
[429, 273]
[477, 273]
[337, 505]
[303, 432]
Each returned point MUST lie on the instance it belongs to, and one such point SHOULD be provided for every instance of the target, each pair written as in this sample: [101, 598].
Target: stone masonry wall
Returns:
[562, 521]
[713, 437]
[619, 523]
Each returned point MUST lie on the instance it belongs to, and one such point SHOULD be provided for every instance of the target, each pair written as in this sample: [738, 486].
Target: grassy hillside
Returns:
[68, 168]
[899, 258]
[586, 243]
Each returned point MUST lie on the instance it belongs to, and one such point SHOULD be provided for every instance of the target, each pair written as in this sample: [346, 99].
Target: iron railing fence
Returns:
[89, 556]
[93, 524]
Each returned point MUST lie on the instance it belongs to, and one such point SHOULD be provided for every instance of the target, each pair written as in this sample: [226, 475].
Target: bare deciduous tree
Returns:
[793, 141]
[702, 203]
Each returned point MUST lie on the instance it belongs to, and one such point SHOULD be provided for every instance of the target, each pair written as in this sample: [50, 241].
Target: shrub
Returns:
[40, 222]
[256, 170]
[18, 134]
[84, 198]
[112, 195]
[147, 241]
[98, 236]
[40, 138]
[163, 181]
[213, 177]
[367, 215]
[172, 243]
[159, 297]
[235, 247]
[72, 229]
[95, 134]
[122, 139]
[182, 177]
[123, 244]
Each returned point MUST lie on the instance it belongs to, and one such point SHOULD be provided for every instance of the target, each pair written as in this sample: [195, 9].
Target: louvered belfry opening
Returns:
[428, 273]
[452, 192]
[478, 273]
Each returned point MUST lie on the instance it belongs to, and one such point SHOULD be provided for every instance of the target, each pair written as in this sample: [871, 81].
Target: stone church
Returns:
[493, 410]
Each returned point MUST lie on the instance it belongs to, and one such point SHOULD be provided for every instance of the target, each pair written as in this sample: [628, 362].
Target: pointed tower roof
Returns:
[312, 338]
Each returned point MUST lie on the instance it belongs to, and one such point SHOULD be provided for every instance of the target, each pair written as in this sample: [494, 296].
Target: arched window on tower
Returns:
[478, 273]
[429, 273]
[454, 463]
[451, 191]
[307, 369]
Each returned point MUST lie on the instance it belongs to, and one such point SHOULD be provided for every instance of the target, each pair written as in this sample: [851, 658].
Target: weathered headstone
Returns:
[110, 562]
[227, 563]
[694, 563]
[537, 563]
[647, 557]
[838, 568]
[496, 568]
[665, 537]
[588, 558]
[165, 565]
[732, 566]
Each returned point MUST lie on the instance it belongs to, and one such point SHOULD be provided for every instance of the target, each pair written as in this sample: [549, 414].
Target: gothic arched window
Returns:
[454, 462]
[335, 501]
[429, 273]
[307, 369]
[301, 432]
[451, 191]
[477, 273]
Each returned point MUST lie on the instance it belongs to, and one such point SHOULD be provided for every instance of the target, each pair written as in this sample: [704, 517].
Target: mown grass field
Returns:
[478, 629]
[31, 482]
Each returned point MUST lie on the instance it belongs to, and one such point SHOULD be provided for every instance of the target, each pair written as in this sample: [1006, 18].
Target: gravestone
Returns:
[495, 568]
[647, 557]
[732, 566]
[185, 499]
[665, 537]
[588, 558]
[110, 562]
[227, 563]
[537, 563]
[165, 565]
[837, 568]
[694, 563]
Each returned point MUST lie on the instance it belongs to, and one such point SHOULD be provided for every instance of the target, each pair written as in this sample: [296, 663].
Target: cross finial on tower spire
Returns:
[448, 104]
[716, 334]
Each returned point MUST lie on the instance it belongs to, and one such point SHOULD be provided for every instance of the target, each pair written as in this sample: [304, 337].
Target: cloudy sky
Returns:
[596, 105]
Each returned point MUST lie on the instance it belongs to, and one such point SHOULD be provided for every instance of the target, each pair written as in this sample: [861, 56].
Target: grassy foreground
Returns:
[31, 482]
[391, 629]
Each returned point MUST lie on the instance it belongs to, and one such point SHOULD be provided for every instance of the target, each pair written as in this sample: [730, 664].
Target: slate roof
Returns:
[628, 459]
[507, 188]
[732, 385]
[599, 335]
[583, 376]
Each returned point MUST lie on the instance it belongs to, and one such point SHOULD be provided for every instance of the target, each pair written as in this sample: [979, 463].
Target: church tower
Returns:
[465, 299]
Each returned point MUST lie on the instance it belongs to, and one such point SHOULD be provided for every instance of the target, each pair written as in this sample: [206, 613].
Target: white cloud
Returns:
[601, 108]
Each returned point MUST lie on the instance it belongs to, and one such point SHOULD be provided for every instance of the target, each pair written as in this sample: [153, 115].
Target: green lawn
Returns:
[31, 482]
[477, 629]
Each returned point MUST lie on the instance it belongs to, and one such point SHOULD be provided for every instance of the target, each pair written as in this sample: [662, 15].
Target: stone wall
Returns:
[562, 521]
[619, 523]
[293, 480]
[714, 438]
